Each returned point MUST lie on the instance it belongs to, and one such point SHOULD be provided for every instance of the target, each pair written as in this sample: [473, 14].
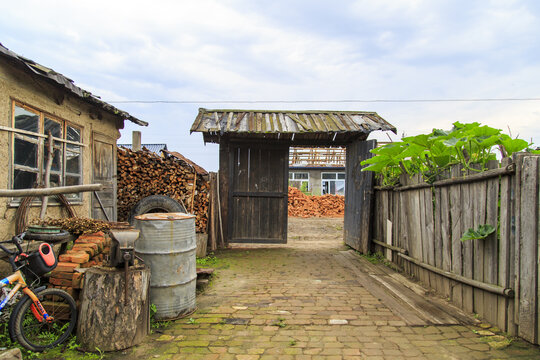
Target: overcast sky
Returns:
[290, 50]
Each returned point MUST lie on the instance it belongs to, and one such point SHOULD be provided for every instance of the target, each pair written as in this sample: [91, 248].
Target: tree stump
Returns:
[105, 321]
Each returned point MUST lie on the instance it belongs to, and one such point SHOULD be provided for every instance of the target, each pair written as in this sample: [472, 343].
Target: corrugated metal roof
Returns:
[59, 79]
[309, 126]
[155, 148]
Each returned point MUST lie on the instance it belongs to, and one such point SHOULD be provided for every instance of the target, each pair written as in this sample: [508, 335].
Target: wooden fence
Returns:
[419, 227]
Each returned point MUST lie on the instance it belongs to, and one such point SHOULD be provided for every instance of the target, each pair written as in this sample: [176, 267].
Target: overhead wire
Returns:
[320, 101]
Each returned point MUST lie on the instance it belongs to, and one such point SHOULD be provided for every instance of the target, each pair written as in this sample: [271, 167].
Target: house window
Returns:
[30, 153]
[333, 183]
[299, 180]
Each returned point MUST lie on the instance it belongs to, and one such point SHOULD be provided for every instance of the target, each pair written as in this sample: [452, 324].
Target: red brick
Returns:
[80, 258]
[66, 266]
[61, 274]
[60, 282]
[77, 280]
[64, 257]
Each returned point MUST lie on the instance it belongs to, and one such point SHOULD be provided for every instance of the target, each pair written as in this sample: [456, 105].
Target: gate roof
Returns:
[300, 127]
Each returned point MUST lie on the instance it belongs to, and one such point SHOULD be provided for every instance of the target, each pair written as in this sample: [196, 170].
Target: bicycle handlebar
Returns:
[12, 255]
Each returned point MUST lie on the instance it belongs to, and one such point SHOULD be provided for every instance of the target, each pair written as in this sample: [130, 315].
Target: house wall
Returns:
[315, 177]
[36, 93]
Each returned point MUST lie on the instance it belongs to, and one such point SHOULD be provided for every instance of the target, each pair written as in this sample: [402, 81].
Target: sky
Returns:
[207, 51]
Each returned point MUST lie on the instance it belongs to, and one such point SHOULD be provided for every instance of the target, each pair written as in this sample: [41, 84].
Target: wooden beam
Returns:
[51, 191]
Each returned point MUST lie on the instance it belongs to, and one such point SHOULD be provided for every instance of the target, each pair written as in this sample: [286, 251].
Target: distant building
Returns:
[155, 148]
[317, 171]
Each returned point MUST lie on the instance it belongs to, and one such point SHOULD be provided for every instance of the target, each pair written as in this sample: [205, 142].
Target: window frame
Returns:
[292, 178]
[40, 139]
[336, 179]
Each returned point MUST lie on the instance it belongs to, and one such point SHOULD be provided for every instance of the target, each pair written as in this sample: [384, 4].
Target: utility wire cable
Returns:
[318, 101]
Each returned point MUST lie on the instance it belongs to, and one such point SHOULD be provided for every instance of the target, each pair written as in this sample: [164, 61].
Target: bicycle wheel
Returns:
[36, 335]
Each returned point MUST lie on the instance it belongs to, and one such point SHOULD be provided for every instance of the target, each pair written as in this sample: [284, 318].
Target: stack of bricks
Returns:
[88, 250]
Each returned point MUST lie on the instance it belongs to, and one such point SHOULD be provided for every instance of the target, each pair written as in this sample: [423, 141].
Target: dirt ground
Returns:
[300, 301]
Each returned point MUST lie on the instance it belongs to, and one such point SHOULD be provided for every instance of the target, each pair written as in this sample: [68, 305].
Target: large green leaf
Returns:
[482, 232]
[513, 145]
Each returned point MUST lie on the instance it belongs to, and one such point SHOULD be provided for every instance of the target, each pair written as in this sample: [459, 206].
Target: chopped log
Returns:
[105, 321]
[143, 173]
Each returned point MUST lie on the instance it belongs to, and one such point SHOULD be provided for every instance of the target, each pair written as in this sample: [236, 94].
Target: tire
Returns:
[154, 204]
[38, 336]
[62, 235]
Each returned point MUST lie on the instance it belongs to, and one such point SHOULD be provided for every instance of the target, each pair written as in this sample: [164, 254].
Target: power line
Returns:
[317, 101]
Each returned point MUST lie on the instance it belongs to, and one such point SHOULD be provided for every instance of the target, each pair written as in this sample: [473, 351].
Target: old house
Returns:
[36, 101]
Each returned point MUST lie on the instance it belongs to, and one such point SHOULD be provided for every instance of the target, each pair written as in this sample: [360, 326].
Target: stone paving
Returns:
[296, 301]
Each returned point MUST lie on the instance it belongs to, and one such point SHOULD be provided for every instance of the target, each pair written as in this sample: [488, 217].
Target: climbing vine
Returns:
[431, 154]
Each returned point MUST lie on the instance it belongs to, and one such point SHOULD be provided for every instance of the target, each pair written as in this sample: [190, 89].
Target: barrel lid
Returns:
[164, 216]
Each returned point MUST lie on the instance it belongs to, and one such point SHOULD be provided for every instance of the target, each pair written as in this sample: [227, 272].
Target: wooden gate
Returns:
[358, 196]
[258, 193]
[104, 172]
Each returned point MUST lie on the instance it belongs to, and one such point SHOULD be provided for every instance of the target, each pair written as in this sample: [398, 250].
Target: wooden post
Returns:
[136, 142]
[47, 176]
[105, 321]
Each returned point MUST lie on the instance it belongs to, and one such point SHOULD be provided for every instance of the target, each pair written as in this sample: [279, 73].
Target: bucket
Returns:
[167, 245]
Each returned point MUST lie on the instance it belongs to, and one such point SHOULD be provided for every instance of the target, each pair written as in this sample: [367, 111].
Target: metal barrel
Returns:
[167, 245]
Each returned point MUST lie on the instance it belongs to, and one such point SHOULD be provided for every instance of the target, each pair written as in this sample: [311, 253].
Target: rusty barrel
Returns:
[167, 244]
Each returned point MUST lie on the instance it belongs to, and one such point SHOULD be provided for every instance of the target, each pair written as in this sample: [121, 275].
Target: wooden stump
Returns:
[105, 321]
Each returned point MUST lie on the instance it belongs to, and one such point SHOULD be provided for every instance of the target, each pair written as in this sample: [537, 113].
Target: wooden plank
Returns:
[478, 197]
[456, 231]
[429, 233]
[422, 227]
[505, 315]
[528, 238]
[467, 191]
[416, 232]
[446, 241]
[359, 194]
[491, 254]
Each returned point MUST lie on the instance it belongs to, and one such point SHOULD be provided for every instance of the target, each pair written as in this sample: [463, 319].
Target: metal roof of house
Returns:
[309, 127]
[67, 84]
[155, 148]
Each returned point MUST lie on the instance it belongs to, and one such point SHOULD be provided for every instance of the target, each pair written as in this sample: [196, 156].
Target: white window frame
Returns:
[336, 180]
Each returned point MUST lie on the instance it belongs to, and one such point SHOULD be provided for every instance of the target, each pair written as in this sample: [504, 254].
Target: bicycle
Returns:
[43, 317]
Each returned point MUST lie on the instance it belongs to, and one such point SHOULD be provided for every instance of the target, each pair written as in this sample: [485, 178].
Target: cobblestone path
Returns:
[297, 301]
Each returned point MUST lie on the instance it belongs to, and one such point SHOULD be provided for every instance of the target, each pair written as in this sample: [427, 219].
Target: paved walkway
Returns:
[298, 301]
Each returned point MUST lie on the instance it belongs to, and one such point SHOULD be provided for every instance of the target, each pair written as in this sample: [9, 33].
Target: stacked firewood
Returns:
[302, 205]
[143, 173]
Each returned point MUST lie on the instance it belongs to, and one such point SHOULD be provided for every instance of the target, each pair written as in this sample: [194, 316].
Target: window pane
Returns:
[54, 127]
[328, 176]
[73, 180]
[341, 176]
[301, 176]
[73, 160]
[26, 120]
[57, 160]
[24, 179]
[340, 187]
[25, 153]
[291, 176]
[73, 134]
[55, 180]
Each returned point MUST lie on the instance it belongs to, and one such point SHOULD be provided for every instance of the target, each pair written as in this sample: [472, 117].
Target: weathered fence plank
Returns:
[528, 238]
[505, 307]
[491, 255]
[479, 218]
[457, 226]
[467, 246]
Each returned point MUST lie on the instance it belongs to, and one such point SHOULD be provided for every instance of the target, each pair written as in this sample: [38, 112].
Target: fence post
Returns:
[527, 246]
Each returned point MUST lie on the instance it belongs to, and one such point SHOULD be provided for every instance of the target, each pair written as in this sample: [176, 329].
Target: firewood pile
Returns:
[143, 173]
[302, 205]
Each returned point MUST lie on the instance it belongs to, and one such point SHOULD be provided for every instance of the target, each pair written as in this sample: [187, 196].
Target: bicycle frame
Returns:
[17, 278]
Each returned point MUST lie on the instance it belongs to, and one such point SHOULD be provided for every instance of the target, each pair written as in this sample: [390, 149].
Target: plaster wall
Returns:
[40, 95]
